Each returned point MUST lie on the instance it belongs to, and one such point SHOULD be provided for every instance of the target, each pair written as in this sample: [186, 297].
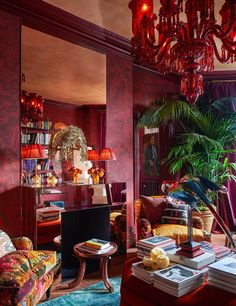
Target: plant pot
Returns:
[206, 217]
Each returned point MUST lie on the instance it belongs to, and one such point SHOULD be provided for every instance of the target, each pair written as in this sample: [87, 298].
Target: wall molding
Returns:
[54, 21]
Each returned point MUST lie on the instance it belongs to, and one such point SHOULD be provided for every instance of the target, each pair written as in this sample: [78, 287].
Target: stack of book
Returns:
[142, 272]
[96, 246]
[222, 274]
[48, 213]
[145, 246]
[198, 262]
[219, 250]
[178, 280]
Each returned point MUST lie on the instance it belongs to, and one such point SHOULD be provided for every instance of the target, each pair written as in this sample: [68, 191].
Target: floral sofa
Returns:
[25, 274]
[158, 216]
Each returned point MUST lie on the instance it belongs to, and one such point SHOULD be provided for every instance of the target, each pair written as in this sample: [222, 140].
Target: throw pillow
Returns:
[175, 214]
[6, 245]
[153, 208]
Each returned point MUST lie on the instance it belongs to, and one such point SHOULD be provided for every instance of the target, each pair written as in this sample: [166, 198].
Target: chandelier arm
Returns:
[220, 59]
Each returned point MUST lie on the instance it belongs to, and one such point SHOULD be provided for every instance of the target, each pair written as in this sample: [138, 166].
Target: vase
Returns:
[75, 178]
[96, 179]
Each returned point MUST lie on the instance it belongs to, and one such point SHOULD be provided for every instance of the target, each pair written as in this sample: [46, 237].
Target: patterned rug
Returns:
[93, 295]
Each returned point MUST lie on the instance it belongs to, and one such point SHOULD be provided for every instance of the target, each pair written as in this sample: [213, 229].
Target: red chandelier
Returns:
[31, 107]
[185, 44]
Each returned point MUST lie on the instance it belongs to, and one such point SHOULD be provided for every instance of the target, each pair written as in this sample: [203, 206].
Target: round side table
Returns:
[83, 255]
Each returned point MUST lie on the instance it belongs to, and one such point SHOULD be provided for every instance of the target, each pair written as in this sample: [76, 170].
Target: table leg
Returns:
[80, 274]
[105, 274]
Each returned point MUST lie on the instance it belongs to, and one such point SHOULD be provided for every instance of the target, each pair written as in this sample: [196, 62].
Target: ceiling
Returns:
[62, 71]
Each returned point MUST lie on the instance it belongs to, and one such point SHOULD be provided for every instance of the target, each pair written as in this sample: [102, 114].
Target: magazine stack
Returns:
[142, 272]
[222, 274]
[198, 262]
[178, 280]
[219, 250]
[96, 246]
[145, 246]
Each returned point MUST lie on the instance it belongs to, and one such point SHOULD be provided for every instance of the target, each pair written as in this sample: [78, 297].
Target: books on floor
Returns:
[178, 280]
[98, 244]
[197, 262]
[222, 274]
[144, 246]
[142, 272]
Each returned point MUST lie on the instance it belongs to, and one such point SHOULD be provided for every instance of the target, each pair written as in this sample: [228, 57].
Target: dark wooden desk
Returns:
[135, 292]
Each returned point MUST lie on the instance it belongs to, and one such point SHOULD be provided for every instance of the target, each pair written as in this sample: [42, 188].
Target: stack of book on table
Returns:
[142, 272]
[48, 213]
[198, 262]
[222, 274]
[178, 280]
[145, 246]
[96, 246]
[219, 250]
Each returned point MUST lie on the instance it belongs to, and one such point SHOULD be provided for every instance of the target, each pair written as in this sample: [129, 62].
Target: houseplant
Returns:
[204, 135]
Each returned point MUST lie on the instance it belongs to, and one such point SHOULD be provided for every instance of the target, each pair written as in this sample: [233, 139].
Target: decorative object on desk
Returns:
[191, 190]
[183, 39]
[51, 180]
[31, 107]
[96, 174]
[65, 141]
[75, 174]
[36, 181]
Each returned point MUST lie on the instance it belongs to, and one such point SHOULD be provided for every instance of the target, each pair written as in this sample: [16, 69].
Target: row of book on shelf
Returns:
[36, 138]
[43, 124]
[217, 263]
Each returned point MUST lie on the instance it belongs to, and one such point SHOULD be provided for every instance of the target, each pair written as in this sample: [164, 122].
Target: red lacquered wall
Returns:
[10, 203]
[120, 130]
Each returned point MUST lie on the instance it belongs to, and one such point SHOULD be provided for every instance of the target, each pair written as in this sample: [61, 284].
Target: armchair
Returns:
[149, 216]
[25, 274]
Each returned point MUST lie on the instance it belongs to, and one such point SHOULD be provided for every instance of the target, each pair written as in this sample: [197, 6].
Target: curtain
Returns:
[217, 90]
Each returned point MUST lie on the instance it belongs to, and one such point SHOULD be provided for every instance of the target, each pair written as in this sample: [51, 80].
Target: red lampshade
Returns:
[107, 154]
[92, 155]
[34, 151]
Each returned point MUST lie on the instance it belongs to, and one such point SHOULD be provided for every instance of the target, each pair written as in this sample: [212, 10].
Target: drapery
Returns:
[216, 90]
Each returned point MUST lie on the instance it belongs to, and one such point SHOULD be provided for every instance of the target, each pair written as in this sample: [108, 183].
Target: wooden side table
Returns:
[83, 255]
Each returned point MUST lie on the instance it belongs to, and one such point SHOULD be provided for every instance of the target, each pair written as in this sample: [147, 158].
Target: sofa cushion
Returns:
[6, 245]
[153, 208]
[177, 232]
[41, 262]
[175, 214]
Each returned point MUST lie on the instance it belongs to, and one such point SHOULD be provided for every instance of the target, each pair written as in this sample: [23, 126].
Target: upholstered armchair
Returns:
[25, 274]
[157, 216]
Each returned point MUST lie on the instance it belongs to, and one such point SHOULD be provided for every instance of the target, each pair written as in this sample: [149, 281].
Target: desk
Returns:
[135, 292]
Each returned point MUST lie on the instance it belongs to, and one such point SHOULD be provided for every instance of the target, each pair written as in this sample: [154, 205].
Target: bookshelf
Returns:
[38, 134]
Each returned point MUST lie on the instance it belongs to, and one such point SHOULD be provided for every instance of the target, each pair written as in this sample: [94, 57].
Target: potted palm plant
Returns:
[205, 134]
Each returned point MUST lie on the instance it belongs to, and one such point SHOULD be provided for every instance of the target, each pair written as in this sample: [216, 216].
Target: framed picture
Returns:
[150, 155]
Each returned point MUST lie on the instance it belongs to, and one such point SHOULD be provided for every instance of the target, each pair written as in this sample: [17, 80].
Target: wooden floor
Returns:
[115, 268]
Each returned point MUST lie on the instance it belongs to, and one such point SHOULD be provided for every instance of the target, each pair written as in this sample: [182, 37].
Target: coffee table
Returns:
[136, 292]
[82, 255]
